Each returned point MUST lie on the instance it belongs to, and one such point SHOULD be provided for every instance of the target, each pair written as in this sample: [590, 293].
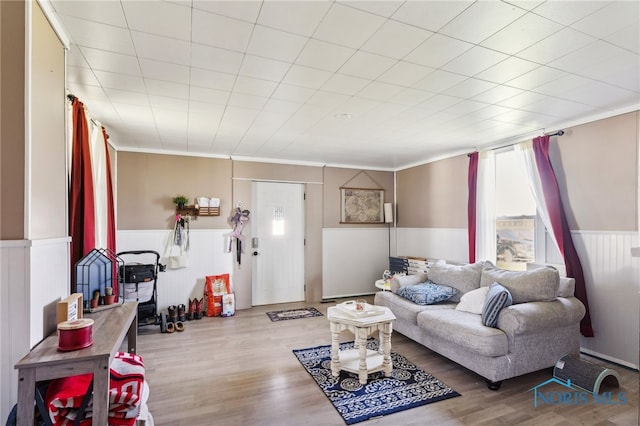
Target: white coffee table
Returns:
[360, 360]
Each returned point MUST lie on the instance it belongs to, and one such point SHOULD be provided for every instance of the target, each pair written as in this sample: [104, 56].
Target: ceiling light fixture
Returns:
[343, 116]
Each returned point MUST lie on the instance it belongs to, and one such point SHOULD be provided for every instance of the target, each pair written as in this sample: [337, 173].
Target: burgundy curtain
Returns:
[471, 206]
[81, 203]
[560, 226]
[111, 220]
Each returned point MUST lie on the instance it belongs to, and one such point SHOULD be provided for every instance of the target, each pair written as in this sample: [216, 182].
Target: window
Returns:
[516, 218]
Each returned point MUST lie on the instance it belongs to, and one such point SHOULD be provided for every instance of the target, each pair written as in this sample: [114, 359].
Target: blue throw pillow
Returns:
[498, 297]
[427, 293]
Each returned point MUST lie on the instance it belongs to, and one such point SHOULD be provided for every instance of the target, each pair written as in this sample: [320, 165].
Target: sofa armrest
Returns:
[539, 316]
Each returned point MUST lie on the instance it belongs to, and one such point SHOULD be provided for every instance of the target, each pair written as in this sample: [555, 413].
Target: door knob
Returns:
[255, 253]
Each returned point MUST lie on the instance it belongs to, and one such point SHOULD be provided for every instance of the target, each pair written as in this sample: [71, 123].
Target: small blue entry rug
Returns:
[408, 386]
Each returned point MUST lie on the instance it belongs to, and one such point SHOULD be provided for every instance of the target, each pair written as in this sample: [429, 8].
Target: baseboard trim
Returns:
[608, 358]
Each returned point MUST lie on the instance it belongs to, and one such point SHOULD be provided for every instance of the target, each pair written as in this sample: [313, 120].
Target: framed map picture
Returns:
[360, 205]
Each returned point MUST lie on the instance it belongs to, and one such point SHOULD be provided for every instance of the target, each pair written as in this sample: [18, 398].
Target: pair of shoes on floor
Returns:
[176, 318]
[195, 309]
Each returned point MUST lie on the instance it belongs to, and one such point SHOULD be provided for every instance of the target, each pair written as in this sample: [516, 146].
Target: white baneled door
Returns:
[277, 243]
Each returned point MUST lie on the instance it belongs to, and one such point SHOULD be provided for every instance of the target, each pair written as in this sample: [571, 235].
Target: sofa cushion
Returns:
[427, 293]
[498, 297]
[473, 301]
[464, 329]
[399, 281]
[403, 309]
[567, 287]
[526, 286]
[464, 278]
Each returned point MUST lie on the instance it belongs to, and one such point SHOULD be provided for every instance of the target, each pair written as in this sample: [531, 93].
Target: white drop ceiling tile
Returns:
[254, 86]
[624, 77]
[212, 79]
[358, 106]
[138, 114]
[246, 10]
[170, 119]
[381, 8]
[506, 70]
[306, 77]
[523, 99]
[347, 26]
[220, 31]
[609, 19]
[431, 15]
[275, 44]
[88, 93]
[601, 95]
[497, 94]
[75, 58]
[246, 101]
[297, 94]
[109, 61]
[366, 65]
[536, 78]
[164, 102]
[82, 76]
[212, 112]
[308, 14]
[120, 81]
[469, 88]
[215, 59]
[562, 108]
[466, 107]
[105, 12]
[489, 112]
[411, 97]
[439, 102]
[556, 46]
[281, 106]
[379, 91]
[165, 49]
[475, 60]
[481, 20]
[98, 36]
[327, 99]
[347, 85]
[405, 74]
[627, 38]
[437, 51]
[395, 39]
[561, 85]
[213, 96]
[592, 54]
[526, 31]
[167, 88]
[263, 68]
[159, 70]
[324, 56]
[159, 17]
[439, 81]
[568, 12]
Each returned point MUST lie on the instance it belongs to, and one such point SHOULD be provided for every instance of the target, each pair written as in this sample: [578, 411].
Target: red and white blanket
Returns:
[64, 396]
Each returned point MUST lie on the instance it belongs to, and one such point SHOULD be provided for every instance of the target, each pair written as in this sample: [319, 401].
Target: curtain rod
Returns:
[558, 133]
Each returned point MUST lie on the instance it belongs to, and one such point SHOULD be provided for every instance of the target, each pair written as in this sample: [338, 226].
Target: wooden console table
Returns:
[45, 362]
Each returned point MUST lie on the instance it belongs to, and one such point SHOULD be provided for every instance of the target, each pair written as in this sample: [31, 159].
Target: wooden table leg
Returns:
[26, 396]
[386, 349]
[335, 349]
[101, 392]
[361, 340]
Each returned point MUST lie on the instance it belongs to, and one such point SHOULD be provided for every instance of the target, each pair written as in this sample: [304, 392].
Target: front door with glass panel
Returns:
[277, 243]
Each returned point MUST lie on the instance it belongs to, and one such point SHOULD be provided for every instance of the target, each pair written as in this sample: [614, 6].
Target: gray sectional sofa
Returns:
[534, 332]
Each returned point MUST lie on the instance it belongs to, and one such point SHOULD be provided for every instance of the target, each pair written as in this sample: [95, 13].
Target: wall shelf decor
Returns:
[361, 205]
[192, 210]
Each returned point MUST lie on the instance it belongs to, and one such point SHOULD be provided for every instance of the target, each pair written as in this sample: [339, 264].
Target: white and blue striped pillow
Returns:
[427, 293]
[498, 297]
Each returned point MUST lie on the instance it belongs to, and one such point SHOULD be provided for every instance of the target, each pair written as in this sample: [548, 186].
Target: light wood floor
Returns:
[241, 371]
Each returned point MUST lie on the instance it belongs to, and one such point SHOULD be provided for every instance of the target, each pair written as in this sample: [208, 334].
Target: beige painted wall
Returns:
[335, 178]
[12, 57]
[433, 195]
[48, 201]
[146, 183]
[596, 167]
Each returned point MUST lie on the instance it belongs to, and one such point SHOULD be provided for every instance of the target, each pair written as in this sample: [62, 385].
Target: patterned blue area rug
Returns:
[408, 386]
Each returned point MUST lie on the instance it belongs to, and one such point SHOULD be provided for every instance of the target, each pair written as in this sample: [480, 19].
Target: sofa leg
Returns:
[494, 386]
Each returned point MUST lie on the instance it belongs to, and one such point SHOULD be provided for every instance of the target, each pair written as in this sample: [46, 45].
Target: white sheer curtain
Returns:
[485, 207]
[524, 151]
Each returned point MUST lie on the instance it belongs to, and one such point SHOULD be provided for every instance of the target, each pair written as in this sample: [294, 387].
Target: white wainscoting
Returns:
[33, 278]
[435, 243]
[207, 256]
[353, 259]
[613, 287]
